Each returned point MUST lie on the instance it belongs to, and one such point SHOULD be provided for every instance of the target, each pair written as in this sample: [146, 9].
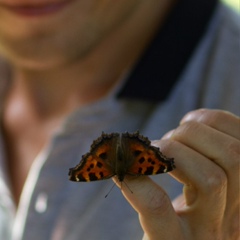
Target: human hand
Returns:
[206, 150]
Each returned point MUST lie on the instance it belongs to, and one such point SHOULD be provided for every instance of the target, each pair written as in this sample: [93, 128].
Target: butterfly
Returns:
[120, 154]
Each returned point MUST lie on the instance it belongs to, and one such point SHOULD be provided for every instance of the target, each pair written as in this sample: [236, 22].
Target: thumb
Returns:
[156, 213]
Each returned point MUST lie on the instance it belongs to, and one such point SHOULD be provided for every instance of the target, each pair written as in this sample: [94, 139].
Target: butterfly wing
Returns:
[145, 159]
[96, 165]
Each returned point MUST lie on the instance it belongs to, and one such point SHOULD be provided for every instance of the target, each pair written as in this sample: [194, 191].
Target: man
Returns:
[72, 69]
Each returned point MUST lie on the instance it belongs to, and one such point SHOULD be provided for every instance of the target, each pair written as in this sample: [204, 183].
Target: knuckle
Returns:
[233, 154]
[186, 129]
[201, 115]
[212, 116]
[217, 182]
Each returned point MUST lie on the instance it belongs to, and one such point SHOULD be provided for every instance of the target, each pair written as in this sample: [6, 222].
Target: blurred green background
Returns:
[233, 3]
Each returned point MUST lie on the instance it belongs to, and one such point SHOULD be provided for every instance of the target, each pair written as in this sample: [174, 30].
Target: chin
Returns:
[49, 53]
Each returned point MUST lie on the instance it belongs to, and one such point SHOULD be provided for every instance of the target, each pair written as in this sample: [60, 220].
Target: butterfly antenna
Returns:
[110, 190]
[126, 186]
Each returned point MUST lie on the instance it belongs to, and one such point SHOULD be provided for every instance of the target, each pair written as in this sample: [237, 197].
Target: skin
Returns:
[71, 51]
[206, 148]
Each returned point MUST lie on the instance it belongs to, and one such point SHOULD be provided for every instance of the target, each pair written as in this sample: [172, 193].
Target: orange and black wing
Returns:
[96, 164]
[146, 159]
[91, 168]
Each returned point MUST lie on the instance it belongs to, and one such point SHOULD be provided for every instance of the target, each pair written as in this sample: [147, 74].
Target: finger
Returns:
[205, 187]
[222, 121]
[215, 134]
[217, 146]
[155, 210]
[200, 176]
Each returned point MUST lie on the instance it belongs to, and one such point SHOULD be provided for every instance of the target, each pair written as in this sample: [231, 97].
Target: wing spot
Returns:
[141, 160]
[99, 164]
[149, 171]
[151, 161]
[92, 176]
[81, 178]
[137, 153]
[103, 155]
[90, 167]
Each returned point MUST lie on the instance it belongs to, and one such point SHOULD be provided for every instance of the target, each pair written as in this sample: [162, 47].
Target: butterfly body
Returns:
[120, 155]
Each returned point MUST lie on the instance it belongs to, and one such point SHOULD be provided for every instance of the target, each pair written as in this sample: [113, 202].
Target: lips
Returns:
[30, 8]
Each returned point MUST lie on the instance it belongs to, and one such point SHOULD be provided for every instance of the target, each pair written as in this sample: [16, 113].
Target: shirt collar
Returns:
[164, 60]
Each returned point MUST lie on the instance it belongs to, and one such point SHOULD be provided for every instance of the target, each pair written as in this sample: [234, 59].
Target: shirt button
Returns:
[41, 203]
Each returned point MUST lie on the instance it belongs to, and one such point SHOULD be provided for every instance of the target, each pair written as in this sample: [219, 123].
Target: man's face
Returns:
[44, 33]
